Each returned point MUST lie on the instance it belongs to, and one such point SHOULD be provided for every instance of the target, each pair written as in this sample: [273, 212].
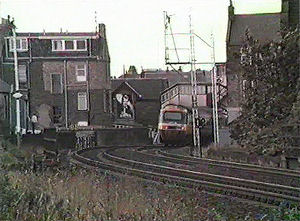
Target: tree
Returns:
[271, 90]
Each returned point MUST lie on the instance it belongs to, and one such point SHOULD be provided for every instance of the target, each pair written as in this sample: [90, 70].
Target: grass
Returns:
[76, 194]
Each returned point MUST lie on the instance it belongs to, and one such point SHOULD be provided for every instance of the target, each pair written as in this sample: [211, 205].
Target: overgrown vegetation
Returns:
[271, 89]
[72, 193]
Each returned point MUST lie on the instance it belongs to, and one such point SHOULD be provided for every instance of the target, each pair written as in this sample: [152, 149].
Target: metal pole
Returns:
[17, 88]
[165, 36]
[196, 130]
[66, 93]
[214, 92]
[213, 104]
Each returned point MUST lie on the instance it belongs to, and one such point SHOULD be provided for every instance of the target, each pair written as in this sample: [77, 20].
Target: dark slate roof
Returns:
[147, 88]
[175, 77]
[4, 87]
[263, 27]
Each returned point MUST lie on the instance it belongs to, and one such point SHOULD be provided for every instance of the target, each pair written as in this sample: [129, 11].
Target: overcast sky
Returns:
[135, 28]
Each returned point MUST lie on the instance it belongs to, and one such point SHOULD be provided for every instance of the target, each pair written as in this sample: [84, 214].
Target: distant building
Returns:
[175, 77]
[4, 107]
[137, 101]
[64, 77]
[131, 73]
[177, 85]
[264, 27]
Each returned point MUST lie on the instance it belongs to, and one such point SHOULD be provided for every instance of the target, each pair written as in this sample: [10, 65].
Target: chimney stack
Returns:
[102, 31]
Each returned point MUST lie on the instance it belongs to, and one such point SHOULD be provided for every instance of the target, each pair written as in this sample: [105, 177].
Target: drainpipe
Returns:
[10, 107]
[66, 93]
[88, 92]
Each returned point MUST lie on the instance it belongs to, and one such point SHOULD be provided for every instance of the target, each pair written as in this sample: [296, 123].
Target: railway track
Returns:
[141, 164]
[259, 173]
[232, 165]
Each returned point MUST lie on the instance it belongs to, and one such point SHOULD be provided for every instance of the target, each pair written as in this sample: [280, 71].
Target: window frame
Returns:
[85, 44]
[80, 78]
[64, 45]
[21, 49]
[20, 67]
[51, 85]
[80, 95]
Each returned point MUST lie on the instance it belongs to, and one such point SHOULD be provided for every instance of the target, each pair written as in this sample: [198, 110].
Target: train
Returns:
[175, 125]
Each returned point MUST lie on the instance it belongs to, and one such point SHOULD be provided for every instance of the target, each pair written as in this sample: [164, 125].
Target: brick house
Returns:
[264, 27]
[64, 77]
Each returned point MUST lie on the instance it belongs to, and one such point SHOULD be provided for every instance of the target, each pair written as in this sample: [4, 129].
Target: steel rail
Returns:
[250, 167]
[275, 188]
[256, 195]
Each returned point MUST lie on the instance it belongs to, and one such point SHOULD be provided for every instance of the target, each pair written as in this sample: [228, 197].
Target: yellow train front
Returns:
[175, 125]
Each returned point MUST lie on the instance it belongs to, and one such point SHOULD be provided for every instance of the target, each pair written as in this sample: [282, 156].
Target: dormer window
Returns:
[69, 45]
[22, 44]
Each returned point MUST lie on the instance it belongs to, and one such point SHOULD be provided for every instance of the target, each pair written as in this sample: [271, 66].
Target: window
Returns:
[22, 44]
[56, 83]
[200, 89]
[57, 45]
[81, 44]
[186, 89]
[174, 117]
[57, 115]
[81, 72]
[82, 101]
[208, 89]
[22, 76]
[69, 45]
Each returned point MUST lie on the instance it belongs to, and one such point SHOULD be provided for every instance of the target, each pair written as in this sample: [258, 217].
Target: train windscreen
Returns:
[177, 117]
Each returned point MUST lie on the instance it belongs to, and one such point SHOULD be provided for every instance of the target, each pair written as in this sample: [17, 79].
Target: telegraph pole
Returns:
[17, 94]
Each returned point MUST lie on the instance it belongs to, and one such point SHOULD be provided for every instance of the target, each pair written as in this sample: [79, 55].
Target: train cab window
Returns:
[174, 117]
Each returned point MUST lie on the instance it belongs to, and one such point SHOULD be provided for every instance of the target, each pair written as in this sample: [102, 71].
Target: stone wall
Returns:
[123, 136]
[105, 136]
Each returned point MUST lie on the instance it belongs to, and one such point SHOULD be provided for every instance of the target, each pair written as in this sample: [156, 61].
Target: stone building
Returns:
[64, 77]
[263, 27]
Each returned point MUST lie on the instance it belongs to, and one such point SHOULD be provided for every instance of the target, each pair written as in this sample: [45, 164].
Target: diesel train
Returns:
[175, 125]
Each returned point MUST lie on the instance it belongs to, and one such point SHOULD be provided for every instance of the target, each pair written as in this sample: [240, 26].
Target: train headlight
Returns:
[163, 127]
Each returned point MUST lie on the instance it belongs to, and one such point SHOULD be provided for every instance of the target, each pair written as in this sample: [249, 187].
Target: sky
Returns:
[135, 28]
